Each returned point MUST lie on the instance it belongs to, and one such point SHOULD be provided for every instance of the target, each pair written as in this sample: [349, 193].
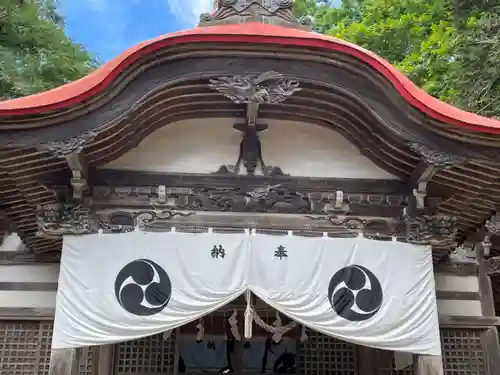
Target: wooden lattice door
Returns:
[153, 355]
[463, 352]
[25, 349]
[323, 355]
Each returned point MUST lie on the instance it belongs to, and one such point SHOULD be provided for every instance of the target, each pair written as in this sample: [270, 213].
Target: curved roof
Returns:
[256, 33]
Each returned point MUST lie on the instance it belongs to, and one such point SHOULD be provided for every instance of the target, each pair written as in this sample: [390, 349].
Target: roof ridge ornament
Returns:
[275, 12]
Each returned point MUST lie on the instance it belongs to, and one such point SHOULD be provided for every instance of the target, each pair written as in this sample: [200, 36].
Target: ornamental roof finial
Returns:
[275, 12]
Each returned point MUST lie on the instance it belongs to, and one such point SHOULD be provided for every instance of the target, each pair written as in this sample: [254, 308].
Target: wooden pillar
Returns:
[105, 360]
[368, 360]
[428, 365]
[492, 350]
[490, 336]
[485, 288]
[63, 362]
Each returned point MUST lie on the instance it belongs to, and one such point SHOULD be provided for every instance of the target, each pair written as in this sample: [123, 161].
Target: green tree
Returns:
[448, 47]
[478, 53]
[35, 53]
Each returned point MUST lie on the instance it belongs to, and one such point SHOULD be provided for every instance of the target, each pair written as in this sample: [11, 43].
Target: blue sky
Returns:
[108, 27]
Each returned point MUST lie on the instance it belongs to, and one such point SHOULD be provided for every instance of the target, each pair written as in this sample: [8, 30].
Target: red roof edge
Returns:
[96, 82]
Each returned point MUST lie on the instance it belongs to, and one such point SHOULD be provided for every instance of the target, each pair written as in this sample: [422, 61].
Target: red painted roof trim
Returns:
[97, 81]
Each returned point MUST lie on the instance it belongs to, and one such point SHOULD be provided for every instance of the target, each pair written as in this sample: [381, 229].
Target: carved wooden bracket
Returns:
[492, 228]
[434, 157]
[432, 161]
[269, 87]
[439, 231]
[72, 151]
[79, 170]
[68, 146]
[420, 177]
[463, 254]
[493, 225]
[492, 266]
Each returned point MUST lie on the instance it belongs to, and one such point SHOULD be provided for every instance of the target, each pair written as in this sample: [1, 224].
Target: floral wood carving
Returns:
[266, 199]
[269, 87]
[434, 157]
[258, 198]
[119, 222]
[349, 226]
[492, 266]
[493, 225]
[440, 231]
[57, 219]
[68, 146]
[60, 219]
[463, 254]
[276, 12]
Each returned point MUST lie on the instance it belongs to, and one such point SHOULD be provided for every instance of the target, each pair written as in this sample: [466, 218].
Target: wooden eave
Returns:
[344, 88]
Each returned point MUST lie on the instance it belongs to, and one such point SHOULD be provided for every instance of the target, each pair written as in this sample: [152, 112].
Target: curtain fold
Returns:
[374, 293]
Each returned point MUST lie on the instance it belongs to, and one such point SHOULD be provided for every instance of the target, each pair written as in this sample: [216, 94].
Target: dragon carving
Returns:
[268, 87]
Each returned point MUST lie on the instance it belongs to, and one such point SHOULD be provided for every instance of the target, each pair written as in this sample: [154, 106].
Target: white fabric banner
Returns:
[374, 293]
[118, 287]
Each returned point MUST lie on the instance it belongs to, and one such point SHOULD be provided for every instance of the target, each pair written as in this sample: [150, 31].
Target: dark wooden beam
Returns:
[462, 296]
[109, 177]
[27, 313]
[449, 321]
[23, 257]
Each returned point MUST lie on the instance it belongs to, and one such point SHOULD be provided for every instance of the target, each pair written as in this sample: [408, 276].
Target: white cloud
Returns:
[188, 11]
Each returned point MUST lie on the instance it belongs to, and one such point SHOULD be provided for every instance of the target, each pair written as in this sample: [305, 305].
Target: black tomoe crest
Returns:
[143, 288]
[355, 293]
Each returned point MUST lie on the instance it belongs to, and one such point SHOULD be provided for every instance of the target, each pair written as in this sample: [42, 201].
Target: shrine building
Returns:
[247, 196]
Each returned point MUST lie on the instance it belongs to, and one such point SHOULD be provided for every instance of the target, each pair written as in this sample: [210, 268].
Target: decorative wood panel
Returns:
[151, 355]
[463, 352]
[325, 355]
[25, 349]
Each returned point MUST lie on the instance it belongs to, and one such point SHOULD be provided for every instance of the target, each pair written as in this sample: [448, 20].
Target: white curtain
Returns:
[116, 288]
[120, 287]
[373, 293]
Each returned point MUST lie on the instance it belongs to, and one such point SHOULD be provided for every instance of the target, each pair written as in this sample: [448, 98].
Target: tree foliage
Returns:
[35, 53]
[451, 48]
